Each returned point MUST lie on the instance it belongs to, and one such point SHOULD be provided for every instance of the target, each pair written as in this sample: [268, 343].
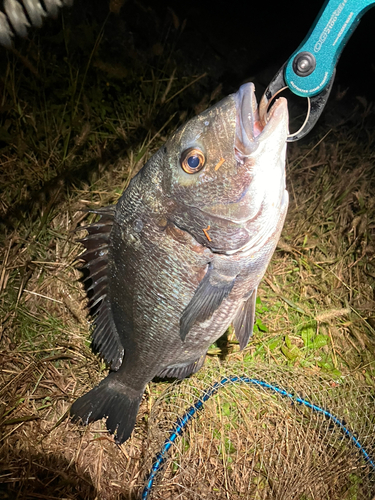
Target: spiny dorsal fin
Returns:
[105, 339]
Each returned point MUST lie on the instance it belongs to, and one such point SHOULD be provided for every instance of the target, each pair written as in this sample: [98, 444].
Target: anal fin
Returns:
[182, 371]
[244, 320]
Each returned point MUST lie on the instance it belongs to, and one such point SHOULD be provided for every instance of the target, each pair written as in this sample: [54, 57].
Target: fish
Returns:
[180, 256]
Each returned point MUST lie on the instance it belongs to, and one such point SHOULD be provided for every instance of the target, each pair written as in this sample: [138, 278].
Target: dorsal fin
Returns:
[105, 339]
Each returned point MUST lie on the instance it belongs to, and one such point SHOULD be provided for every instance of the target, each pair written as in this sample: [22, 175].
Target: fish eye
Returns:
[192, 160]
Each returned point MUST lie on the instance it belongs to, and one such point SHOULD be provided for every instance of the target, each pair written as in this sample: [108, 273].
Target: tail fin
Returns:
[109, 399]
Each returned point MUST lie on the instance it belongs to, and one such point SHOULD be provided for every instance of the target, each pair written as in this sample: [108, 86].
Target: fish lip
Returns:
[251, 129]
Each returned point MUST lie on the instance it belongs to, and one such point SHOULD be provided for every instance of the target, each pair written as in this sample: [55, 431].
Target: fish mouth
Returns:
[259, 150]
[251, 129]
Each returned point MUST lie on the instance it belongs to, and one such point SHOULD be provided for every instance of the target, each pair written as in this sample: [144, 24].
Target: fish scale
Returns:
[181, 255]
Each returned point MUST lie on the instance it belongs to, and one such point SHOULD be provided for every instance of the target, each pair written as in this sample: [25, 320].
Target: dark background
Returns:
[232, 41]
[237, 40]
[258, 36]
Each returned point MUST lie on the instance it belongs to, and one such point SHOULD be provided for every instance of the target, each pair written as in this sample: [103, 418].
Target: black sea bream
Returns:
[180, 257]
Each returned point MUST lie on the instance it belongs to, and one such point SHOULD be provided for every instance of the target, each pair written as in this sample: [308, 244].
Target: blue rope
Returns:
[182, 422]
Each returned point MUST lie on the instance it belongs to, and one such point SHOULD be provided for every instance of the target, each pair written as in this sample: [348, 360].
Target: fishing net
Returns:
[278, 434]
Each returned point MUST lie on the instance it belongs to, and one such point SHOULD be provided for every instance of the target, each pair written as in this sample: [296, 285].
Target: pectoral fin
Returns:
[244, 321]
[209, 295]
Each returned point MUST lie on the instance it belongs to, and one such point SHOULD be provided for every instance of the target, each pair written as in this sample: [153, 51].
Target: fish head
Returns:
[225, 170]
